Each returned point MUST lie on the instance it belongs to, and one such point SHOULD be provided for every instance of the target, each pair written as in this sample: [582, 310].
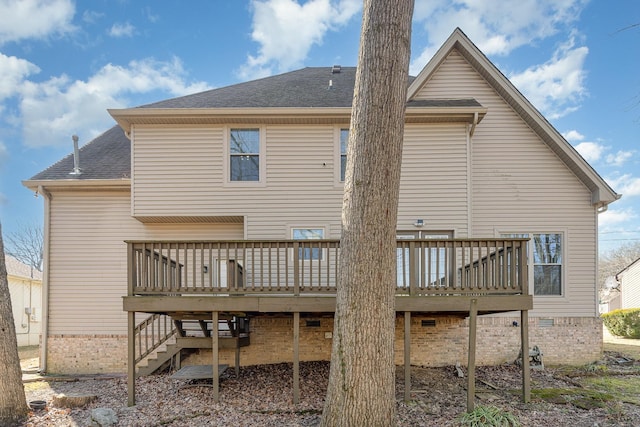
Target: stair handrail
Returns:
[161, 330]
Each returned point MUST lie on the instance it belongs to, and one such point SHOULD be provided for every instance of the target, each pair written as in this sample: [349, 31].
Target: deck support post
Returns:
[215, 356]
[471, 365]
[524, 341]
[131, 358]
[407, 356]
[237, 355]
[296, 358]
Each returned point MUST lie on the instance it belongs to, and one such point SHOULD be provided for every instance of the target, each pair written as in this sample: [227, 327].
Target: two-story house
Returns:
[225, 207]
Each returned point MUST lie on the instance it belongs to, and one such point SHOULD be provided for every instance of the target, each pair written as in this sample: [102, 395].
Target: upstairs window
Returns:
[244, 155]
[344, 139]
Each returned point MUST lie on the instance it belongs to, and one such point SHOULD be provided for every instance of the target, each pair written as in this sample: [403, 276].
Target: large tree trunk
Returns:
[13, 404]
[362, 380]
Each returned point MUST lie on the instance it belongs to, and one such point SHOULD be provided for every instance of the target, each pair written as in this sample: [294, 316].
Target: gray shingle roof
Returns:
[108, 156]
[307, 87]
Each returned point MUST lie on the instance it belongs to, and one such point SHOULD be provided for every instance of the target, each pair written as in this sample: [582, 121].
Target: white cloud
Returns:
[13, 71]
[26, 19]
[573, 136]
[286, 31]
[614, 217]
[626, 184]
[496, 27]
[557, 86]
[54, 109]
[591, 151]
[121, 30]
[91, 16]
[619, 158]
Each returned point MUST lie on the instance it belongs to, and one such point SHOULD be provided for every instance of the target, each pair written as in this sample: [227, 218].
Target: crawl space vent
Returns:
[313, 323]
[429, 323]
[546, 323]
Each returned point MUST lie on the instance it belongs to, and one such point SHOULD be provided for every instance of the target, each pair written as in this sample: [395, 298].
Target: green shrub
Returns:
[489, 416]
[623, 323]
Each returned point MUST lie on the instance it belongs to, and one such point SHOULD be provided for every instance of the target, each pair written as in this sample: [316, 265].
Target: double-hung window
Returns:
[244, 154]
[546, 258]
[547, 264]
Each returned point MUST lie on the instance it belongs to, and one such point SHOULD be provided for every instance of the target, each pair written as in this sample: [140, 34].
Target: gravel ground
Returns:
[262, 395]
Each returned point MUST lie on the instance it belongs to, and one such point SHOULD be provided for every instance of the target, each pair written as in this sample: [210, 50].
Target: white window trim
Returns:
[262, 161]
[563, 277]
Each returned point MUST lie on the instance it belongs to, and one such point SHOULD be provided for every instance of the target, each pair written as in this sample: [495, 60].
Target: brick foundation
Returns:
[87, 354]
[572, 341]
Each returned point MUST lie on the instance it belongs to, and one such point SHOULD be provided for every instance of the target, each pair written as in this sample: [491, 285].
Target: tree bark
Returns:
[362, 378]
[13, 403]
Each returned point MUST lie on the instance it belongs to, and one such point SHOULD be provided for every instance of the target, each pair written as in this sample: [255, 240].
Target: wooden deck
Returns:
[310, 266]
[202, 306]
[228, 281]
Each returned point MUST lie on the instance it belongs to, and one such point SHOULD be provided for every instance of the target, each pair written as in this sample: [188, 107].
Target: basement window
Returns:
[313, 323]
[429, 323]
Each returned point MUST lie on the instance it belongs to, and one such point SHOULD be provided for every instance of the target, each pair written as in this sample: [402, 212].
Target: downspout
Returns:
[471, 130]
[597, 264]
[45, 278]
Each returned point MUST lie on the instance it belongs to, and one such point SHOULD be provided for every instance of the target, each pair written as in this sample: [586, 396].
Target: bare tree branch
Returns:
[27, 245]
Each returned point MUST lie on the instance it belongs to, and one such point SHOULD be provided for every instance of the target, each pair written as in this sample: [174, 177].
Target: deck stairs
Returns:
[188, 336]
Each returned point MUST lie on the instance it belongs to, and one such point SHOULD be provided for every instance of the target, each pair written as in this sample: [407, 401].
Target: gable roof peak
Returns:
[601, 193]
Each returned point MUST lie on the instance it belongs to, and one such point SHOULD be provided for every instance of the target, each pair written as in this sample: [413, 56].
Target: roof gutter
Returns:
[82, 184]
[128, 117]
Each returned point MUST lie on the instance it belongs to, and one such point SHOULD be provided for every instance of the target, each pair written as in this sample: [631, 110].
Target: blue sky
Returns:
[63, 63]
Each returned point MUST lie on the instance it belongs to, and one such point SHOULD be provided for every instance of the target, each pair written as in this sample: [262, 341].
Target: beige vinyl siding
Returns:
[519, 185]
[88, 258]
[299, 174]
[300, 188]
[177, 170]
[434, 178]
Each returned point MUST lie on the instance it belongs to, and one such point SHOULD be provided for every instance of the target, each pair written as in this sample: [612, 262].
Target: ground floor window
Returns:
[306, 253]
[546, 259]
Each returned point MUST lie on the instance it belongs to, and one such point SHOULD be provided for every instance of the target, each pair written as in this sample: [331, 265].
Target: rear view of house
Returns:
[217, 217]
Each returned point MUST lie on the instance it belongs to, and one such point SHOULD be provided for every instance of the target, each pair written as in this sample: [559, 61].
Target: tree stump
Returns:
[72, 400]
